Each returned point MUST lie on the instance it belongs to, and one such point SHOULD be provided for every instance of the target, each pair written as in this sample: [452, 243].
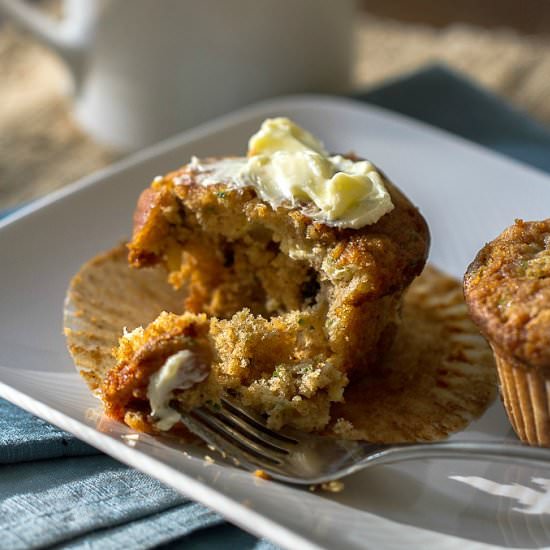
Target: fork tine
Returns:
[250, 431]
[256, 454]
[228, 447]
[224, 447]
[254, 421]
[217, 422]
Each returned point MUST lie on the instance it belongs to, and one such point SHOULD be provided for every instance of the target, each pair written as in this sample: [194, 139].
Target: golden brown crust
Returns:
[507, 288]
[151, 226]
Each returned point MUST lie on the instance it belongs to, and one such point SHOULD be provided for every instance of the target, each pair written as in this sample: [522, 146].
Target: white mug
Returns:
[146, 69]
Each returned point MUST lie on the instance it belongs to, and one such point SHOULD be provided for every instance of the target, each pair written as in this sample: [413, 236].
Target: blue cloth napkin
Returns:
[58, 491]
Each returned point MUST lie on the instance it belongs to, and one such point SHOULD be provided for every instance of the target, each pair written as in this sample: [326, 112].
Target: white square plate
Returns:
[468, 195]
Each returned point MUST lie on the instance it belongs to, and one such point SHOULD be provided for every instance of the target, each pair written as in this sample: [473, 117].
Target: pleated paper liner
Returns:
[106, 297]
[438, 376]
[526, 396]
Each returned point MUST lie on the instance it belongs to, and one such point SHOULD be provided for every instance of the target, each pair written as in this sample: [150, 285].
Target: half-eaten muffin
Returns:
[294, 264]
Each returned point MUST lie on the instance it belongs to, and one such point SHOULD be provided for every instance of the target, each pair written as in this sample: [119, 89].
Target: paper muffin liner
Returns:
[105, 298]
[526, 395]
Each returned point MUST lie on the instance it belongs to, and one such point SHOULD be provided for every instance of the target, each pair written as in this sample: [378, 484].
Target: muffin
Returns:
[507, 288]
[293, 263]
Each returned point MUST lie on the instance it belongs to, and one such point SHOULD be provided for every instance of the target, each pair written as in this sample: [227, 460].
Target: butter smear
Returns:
[180, 371]
[288, 166]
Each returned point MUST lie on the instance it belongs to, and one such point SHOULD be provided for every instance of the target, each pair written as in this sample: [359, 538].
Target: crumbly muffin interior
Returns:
[281, 366]
[226, 274]
[267, 315]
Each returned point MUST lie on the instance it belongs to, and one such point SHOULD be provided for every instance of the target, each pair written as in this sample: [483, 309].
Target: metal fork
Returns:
[306, 459]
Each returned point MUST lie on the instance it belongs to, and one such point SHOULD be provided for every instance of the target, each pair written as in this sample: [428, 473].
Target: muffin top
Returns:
[507, 288]
[389, 253]
[336, 214]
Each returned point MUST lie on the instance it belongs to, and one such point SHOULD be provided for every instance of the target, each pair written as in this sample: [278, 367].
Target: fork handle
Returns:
[469, 450]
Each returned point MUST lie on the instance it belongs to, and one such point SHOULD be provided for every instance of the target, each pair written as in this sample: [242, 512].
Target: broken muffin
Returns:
[293, 264]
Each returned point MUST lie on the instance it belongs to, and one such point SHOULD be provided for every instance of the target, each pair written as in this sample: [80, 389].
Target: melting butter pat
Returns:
[281, 134]
[286, 163]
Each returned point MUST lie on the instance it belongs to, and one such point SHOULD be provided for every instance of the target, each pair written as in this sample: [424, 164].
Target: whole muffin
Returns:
[507, 288]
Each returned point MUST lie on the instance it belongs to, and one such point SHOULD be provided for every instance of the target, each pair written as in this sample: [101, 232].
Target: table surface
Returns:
[42, 149]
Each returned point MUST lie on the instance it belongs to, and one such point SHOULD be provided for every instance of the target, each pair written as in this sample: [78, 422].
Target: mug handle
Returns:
[65, 38]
